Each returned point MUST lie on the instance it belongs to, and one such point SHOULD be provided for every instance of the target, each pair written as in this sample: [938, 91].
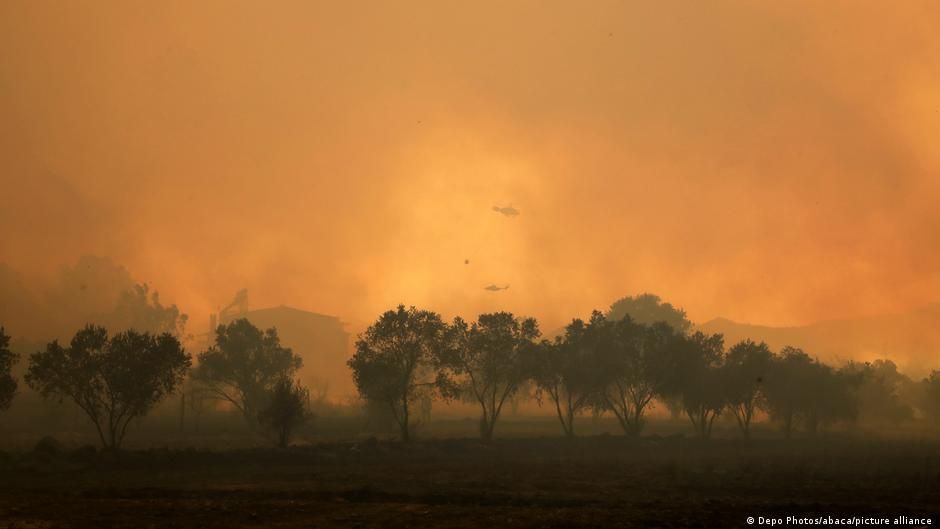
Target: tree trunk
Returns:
[623, 422]
[636, 428]
[486, 434]
[283, 436]
[94, 419]
[570, 430]
[405, 433]
[556, 397]
[695, 417]
[182, 410]
[742, 415]
[567, 422]
[112, 436]
[711, 422]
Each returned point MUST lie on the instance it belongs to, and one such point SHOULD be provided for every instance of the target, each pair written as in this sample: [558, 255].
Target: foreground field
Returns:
[601, 481]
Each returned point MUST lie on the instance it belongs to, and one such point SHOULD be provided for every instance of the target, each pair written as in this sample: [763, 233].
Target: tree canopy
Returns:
[569, 369]
[783, 387]
[244, 366]
[635, 364]
[114, 380]
[931, 396]
[649, 309]
[140, 308]
[394, 361]
[746, 366]
[878, 388]
[485, 360]
[286, 410]
[694, 379]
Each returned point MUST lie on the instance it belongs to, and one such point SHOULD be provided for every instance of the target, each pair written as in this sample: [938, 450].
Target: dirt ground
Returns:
[599, 481]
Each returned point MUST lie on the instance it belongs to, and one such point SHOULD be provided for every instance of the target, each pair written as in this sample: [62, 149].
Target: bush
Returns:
[285, 411]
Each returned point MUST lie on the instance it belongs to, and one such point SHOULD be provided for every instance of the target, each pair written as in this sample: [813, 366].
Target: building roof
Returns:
[285, 312]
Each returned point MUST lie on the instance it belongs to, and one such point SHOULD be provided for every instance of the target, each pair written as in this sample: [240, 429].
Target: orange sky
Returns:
[776, 163]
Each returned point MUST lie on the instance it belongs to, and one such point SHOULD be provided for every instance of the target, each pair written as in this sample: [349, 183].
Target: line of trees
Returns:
[116, 379]
[640, 352]
[615, 363]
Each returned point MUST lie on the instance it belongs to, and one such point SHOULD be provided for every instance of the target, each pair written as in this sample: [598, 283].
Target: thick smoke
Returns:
[769, 163]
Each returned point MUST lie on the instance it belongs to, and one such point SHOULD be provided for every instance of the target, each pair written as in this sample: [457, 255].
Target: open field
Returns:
[593, 481]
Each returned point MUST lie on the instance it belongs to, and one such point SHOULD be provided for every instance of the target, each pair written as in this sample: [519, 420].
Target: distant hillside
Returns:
[912, 339]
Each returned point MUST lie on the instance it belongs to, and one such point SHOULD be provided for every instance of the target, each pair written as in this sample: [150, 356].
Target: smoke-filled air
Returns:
[405, 263]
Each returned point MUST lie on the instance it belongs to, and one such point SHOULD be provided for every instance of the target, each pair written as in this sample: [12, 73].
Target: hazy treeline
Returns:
[114, 378]
[639, 353]
[117, 378]
[93, 289]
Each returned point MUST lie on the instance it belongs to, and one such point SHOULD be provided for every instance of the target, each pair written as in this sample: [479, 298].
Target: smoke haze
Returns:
[772, 163]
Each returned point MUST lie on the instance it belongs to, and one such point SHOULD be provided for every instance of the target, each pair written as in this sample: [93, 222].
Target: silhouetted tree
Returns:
[285, 411]
[783, 387]
[394, 358]
[746, 366]
[113, 380]
[244, 365]
[695, 379]
[931, 396]
[831, 397]
[878, 391]
[569, 370]
[801, 388]
[635, 365]
[86, 291]
[7, 382]
[485, 360]
[649, 309]
[139, 308]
